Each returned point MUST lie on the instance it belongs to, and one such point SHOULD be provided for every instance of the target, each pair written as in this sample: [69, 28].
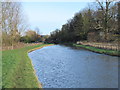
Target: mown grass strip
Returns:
[17, 70]
[98, 50]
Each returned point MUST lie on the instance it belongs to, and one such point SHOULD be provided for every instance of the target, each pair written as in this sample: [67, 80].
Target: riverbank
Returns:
[98, 50]
[17, 69]
[102, 45]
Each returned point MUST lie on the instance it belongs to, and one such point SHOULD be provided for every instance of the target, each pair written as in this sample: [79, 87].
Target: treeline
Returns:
[103, 17]
[14, 25]
[33, 36]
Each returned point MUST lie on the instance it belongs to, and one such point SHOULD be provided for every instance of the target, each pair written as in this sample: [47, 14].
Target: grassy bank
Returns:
[17, 70]
[98, 50]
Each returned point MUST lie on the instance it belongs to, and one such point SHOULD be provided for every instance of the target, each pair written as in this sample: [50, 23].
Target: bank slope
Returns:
[98, 50]
[17, 70]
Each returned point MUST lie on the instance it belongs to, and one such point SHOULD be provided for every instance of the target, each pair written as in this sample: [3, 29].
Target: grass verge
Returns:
[98, 50]
[17, 70]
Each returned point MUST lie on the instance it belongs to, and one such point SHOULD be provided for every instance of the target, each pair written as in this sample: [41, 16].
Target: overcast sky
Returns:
[49, 16]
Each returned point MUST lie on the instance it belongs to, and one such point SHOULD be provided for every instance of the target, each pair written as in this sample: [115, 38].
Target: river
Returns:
[65, 67]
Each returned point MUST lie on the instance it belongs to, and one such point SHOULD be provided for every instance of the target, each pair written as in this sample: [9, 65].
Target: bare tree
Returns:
[0, 27]
[105, 9]
[37, 30]
[12, 22]
[119, 16]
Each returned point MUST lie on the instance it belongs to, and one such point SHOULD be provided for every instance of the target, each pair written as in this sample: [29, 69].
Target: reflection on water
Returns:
[63, 67]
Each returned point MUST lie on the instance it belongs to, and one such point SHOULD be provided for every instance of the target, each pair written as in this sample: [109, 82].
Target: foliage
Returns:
[77, 28]
[31, 36]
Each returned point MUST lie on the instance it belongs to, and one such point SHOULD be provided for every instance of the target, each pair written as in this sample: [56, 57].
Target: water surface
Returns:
[64, 67]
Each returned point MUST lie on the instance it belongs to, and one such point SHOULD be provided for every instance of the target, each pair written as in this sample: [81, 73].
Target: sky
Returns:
[48, 16]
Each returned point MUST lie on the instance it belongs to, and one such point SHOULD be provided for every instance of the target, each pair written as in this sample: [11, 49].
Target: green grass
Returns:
[17, 70]
[98, 50]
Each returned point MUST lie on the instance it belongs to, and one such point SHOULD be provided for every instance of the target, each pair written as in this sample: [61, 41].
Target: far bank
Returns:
[98, 50]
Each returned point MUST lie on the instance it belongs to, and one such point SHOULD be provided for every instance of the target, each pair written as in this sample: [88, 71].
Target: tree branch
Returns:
[100, 4]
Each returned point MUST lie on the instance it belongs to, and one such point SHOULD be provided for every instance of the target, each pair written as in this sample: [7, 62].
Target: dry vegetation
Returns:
[18, 45]
[109, 46]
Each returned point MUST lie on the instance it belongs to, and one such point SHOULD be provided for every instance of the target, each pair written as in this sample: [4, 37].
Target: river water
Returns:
[64, 67]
